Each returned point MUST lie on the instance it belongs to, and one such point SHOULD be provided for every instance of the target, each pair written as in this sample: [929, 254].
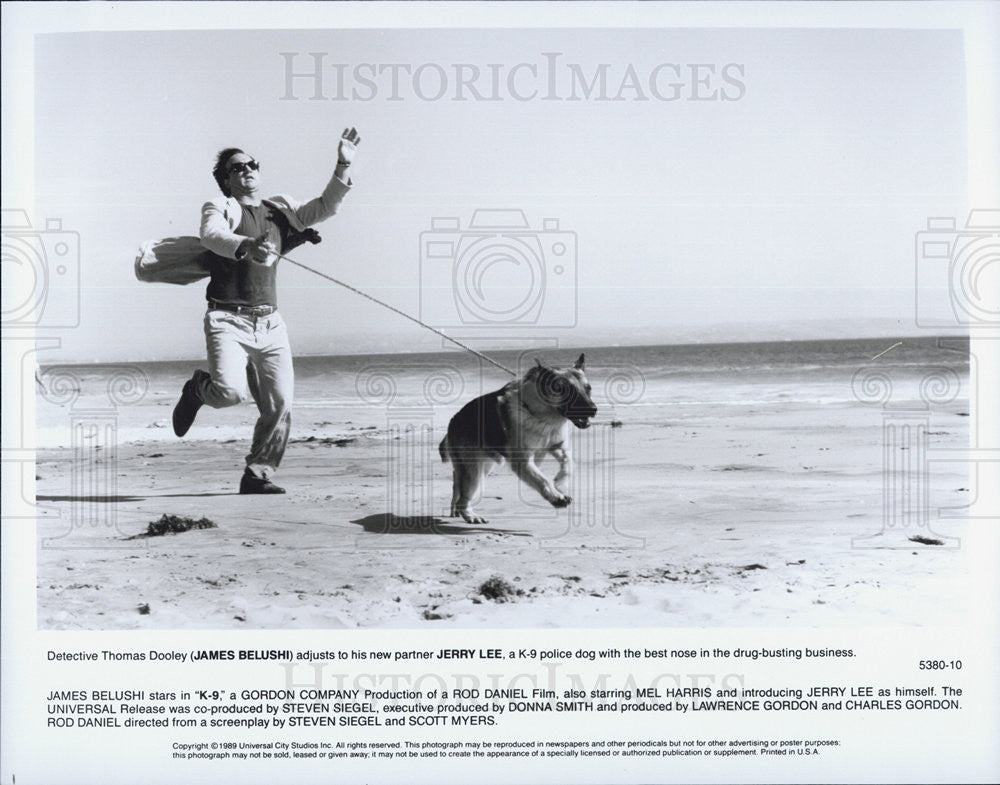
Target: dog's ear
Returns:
[579, 363]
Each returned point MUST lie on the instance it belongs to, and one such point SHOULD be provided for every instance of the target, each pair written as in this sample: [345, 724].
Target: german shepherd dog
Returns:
[519, 423]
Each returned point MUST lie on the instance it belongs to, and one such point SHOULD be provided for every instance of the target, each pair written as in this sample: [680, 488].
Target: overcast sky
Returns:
[670, 179]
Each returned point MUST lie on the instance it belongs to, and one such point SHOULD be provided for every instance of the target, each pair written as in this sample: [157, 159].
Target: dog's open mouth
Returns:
[580, 421]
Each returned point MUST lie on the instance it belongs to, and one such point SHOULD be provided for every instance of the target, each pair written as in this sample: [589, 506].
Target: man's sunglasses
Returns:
[244, 166]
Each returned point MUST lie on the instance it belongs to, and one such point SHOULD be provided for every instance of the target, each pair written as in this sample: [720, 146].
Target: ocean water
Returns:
[333, 390]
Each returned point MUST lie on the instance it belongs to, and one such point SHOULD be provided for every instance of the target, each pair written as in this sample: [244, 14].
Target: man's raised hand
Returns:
[349, 141]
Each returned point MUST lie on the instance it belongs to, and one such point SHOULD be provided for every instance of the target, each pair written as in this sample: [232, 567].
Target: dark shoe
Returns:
[251, 484]
[187, 407]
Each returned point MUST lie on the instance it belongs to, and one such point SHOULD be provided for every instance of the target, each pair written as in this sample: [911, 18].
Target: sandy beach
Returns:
[703, 514]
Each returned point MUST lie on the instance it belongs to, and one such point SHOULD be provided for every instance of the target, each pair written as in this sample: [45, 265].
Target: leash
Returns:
[375, 300]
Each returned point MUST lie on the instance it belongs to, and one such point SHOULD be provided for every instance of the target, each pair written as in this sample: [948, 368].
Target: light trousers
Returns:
[232, 340]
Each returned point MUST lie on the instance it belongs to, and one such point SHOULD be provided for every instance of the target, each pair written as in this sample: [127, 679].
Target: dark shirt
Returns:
[242, 281]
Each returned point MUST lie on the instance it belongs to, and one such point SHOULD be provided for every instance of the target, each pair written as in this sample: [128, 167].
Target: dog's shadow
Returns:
[390, 523]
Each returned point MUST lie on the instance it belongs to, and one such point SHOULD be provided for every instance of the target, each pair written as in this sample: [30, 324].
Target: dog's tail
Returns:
[443, 450]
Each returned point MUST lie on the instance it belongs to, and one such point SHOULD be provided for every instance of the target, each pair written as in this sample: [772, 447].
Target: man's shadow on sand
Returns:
[120, 499]
[390, 523]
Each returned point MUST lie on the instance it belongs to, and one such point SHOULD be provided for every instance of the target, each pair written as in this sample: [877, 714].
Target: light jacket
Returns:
[184, 260]
[220, 216]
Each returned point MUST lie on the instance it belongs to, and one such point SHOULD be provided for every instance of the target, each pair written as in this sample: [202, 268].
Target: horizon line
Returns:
[575, 347]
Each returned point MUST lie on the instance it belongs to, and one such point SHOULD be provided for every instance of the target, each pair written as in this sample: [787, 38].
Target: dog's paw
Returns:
[471, 517]
[562, 500]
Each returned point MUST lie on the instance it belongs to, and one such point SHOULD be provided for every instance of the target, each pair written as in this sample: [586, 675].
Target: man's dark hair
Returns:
[220, 173]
